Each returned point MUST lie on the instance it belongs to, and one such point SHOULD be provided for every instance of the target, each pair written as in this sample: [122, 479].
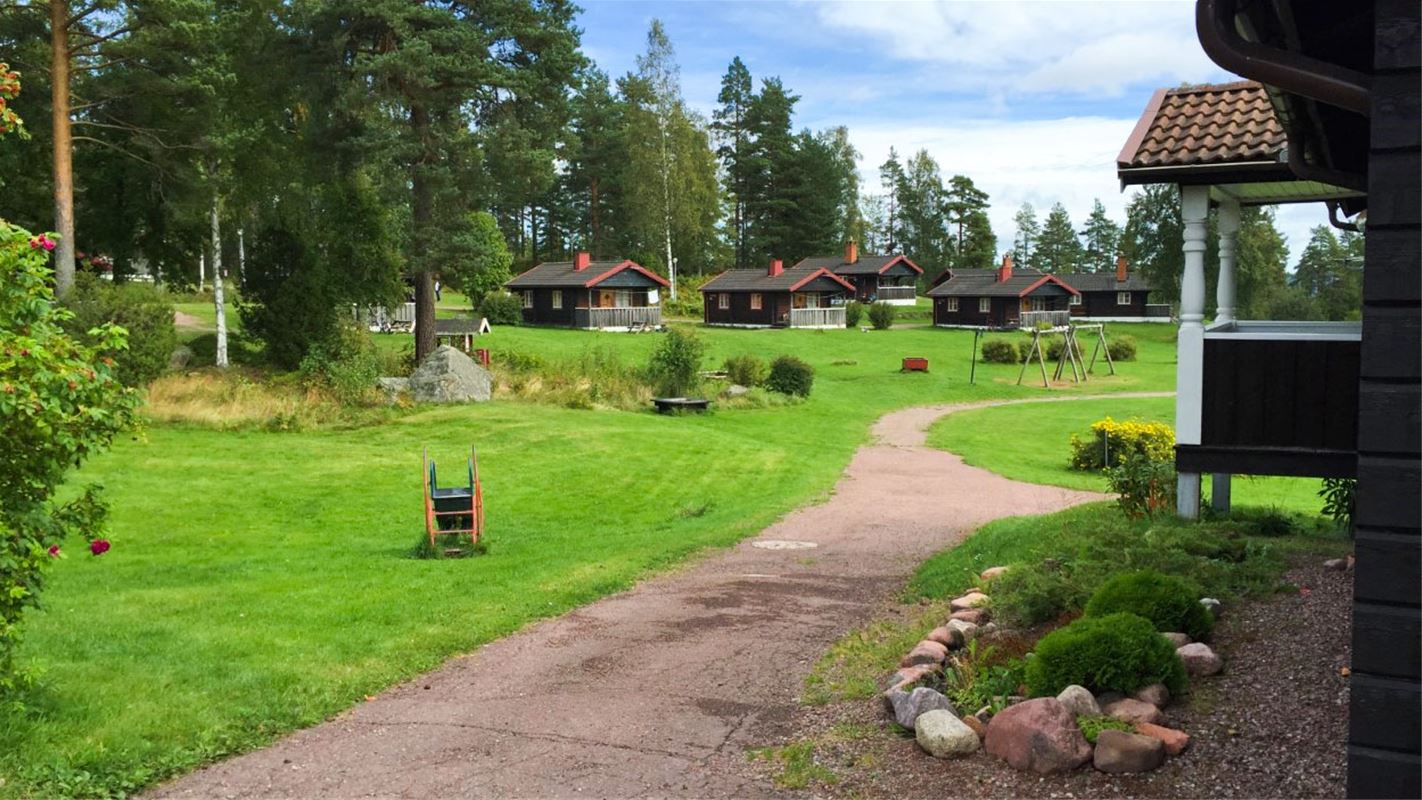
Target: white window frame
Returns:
[984, 305]
[528, 298]
[1075, 300]
[557, 298]
[723, 301]
[953, 304]
[1123, 298]
[756, 303]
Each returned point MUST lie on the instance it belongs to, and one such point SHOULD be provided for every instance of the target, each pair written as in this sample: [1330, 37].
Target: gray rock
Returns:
[1121, 752]
[968, 630]
[1129, 709]
[1336, 564]
[944, 636]
[967, 601]
[1079, 701]
[925, 652]
[909, 706]
[1177, 640]
[1200, 660]
[392, 389]
[943, 735]
[1156, 694]
[735, 390]
[449, 376]
[1211, 605]
[180, 358]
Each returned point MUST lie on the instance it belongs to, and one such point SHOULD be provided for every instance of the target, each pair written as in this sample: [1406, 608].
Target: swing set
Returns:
[1071, 354]
[457, 511]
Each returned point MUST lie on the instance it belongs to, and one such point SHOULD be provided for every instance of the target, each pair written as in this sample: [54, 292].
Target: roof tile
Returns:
[1215, 124]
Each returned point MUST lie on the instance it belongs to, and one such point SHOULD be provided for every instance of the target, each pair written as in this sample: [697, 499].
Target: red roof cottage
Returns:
[890, 279]
[595, 295]
[799, 297]
[996, 298]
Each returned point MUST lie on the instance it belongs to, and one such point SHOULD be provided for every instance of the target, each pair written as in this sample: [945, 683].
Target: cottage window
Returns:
[953, 304]
[723, 301]
[755, 301]
[1075, 300]
[984, 305]
[557, 298]
[528, 298]
[1037, 304]
[1123, 298]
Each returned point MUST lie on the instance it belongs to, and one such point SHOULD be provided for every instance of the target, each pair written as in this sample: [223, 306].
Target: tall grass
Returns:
[244, 399]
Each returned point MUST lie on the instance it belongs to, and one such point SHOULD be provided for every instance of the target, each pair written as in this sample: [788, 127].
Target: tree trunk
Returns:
[421, 214]
[241, 256]
[63, 146]
[217, 286]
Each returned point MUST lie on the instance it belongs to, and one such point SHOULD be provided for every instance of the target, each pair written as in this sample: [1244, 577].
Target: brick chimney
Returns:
[776, 267]
[1120, 269]
[581, 261]
[1004, 272]
[851, 252]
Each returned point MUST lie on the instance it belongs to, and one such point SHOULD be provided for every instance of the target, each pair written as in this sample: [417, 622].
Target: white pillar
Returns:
[1228, 223]
[1190, 350]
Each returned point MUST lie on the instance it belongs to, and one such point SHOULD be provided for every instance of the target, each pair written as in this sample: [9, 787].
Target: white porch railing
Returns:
[897, 292]
[817, 317]
[623, 317]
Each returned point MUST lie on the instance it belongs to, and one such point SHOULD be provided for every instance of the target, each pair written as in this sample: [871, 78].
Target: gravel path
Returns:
[658, 690]
[1272, 725]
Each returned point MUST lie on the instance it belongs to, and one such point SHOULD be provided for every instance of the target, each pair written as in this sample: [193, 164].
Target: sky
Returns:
[1032, 100]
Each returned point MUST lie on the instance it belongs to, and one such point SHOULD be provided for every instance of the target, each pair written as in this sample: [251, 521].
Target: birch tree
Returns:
[658, 70]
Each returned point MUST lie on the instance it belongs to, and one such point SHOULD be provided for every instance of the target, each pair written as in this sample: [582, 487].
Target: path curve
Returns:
[655, 691]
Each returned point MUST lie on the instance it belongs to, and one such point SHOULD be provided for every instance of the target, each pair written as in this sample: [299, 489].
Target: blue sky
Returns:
[1033, 100]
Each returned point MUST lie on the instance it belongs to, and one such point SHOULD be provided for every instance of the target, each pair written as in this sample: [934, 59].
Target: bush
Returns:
[1171, 603]
[982, 676]
[1145, 486]
[1091, 727]
[1000, 351]
[1121, 348]
[501, 308]
[789, 375]
[141, 310]
[745, 370]
[1110, 443]
[1029, 594]
[1339, 501]
[853, 313]
[347, 365]
[676, 363]
[881, 316]
[1117, 652]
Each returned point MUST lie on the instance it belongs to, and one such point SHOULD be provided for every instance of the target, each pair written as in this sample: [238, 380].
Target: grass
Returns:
[1032, 443]
[260, 580]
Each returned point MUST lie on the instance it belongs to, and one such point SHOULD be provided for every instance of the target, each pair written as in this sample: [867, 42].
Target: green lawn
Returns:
[259, 581]
[1032, 443]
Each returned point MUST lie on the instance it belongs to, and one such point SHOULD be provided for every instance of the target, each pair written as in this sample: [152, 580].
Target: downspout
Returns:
[1341, 224]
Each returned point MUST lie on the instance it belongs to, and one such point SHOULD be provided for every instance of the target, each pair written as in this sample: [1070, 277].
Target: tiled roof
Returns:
[558, 274]
[864, 265]
[1104, 282]
[984, 283]
[1229, 123]
[756, 280]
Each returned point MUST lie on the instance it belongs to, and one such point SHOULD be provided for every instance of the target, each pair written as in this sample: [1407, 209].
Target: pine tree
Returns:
[770, 209]
[733, 134]
[891, 177]
[1261, 259]
[1101, 238]
[921, 199]
[965, 209]
[1057, 248]
[596, 154]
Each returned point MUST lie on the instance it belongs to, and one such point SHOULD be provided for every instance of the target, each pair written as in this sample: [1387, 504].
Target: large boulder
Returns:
[943, 735]
[1121, 752]
[909, 706]
[449, 376]
[1038, 735]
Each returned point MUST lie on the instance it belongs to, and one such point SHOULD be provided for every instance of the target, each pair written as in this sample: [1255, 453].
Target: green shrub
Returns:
[347, 365]
[790, 375]
[1117, 652]
[981, 676]
[853, 313]
[1052, 345]
[501, 308]
[138, 308]
[517, 360]
[1110, 443]
[1121, 348]
[676, 363]
[1001, 351]
[1029, 594]
[1144, 486]
[881, 316]
[745, 370]
[1091, 727]
[1171, 603]
[1339, 501]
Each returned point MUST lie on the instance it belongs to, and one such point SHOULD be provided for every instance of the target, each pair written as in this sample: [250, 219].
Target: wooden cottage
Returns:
[1113, 297]
[1334, 120]
[890, 279]
[594, 295]
[799, 297]
[996, 298]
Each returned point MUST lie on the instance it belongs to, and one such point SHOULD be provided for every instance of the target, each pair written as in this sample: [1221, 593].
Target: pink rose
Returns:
[54, 551]
[99, 546]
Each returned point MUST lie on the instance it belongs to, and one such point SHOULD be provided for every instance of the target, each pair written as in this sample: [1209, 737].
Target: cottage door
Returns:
[606, 298]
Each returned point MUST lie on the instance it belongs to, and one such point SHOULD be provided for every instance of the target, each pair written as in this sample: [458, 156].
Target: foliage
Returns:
[1117, 652]
[1037, 593]
[1145, 485]
[140, 310]
[478, 260]
[746, 370]
[10, 122]
[1110, 443]
[881, 316]
[60, 403]
[596, 377]
[1101, 240]
[1057, 249]
[1001, 351]
[1091, 727]
[346, 365]
[789, 375]
[501, 308]
[675, 365]
[1340, 501]
[1170, 603]
[853, 313]
[1121, 348]
[981, 675]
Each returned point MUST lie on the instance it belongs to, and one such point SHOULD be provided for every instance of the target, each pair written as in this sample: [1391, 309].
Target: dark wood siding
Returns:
[1103, 304]
[1384, 740]
[543, 312]
[1003, 311]
[740, 312]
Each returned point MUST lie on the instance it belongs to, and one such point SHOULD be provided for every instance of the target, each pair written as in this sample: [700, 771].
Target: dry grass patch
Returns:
[241, 399]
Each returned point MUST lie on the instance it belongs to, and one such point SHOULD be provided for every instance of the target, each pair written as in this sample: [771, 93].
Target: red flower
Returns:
[99, 546]
[54, 551]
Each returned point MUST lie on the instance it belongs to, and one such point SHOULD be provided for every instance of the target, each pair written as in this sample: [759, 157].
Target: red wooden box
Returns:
[915, 365]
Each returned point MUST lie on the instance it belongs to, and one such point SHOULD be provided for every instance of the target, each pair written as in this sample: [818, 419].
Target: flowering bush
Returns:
[10, 122]
[59, 403]
[1111, 443]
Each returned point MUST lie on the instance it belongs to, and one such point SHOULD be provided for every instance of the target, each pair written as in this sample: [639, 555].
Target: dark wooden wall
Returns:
[543, 312]
[740, 312]
[1385, 737]
[1280, 393]
[1103, 304]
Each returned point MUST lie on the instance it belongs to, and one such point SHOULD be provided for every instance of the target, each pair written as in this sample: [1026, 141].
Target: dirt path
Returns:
[655, 691]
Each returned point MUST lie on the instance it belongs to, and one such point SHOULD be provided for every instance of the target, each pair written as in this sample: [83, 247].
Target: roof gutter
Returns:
[1288, 71]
